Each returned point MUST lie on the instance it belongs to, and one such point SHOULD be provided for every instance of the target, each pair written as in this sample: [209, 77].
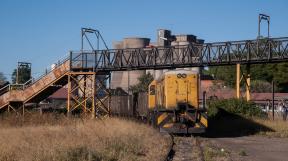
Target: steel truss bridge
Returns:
[270, 50]
[86, 72]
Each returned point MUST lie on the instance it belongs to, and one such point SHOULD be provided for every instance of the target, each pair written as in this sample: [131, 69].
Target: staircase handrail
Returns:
[33, 80]
[60, 62]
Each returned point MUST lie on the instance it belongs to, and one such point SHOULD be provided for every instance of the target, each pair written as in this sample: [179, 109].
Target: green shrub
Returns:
[235, 106]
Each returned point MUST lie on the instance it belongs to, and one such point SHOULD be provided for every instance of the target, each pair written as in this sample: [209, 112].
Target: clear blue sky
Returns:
[43, 31]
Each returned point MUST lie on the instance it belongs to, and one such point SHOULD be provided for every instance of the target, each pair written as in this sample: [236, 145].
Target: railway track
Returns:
[186, 148]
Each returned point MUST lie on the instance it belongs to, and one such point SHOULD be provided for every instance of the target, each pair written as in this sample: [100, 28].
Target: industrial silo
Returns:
[163, 40]
[116, 76]
[181, 42]
[128, 78]
[131, 77]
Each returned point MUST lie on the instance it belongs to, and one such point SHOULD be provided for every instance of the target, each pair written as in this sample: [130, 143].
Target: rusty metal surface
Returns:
[36, 87]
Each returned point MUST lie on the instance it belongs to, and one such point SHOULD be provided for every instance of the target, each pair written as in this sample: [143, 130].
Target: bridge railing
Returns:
[192, 55]
[31, 81]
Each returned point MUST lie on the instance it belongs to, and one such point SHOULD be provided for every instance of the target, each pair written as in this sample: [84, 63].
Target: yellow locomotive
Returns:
[173, 103]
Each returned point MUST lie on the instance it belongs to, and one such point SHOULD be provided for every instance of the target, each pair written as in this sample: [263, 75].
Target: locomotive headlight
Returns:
[179, 75]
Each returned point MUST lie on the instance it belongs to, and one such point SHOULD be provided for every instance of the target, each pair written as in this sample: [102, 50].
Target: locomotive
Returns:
[173, 103]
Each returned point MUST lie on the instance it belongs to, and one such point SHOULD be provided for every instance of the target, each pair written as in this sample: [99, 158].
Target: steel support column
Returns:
[248, 83]
[81, 93]
[238, 81]
[87, 93]
[102, 95]
[16, 107]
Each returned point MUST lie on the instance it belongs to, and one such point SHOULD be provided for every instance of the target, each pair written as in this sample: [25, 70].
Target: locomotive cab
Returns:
[173, 103]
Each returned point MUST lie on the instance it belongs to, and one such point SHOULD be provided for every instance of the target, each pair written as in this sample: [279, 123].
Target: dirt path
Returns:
[254, 148]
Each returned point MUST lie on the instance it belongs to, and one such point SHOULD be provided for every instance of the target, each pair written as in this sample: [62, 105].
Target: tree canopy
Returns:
[263, 72]
[143, 84]
[24, 74]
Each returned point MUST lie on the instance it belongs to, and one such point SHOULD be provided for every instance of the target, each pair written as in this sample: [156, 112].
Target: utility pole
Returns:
[128, 72]
[273, 96]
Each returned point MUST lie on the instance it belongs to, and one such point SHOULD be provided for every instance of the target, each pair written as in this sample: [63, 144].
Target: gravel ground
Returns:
[254, 148]
[246, 148]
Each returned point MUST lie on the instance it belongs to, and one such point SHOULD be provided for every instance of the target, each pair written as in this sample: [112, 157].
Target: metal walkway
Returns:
[83, 67]
[209, 54]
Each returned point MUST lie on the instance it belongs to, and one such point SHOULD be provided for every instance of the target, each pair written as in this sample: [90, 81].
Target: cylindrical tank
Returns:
[117, 44]
[135, 42]
[179, 45]
[175, 44]
[125, 79]
[116, 76]
[182, 47]
[195, 69]
[131, 77]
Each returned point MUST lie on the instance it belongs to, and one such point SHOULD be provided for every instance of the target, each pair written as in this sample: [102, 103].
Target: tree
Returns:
[261, 86]
[143, 84]
[24, 74]
[265, 72]
[2, 78]
[225, 73]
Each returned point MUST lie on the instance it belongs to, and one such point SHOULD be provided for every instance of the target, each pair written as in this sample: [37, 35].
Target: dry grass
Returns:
[279, 127]
[56, 138]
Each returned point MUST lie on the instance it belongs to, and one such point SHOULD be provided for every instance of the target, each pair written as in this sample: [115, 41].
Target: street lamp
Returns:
[263, 17]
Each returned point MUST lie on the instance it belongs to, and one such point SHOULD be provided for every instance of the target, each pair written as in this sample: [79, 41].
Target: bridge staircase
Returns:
[14, 96]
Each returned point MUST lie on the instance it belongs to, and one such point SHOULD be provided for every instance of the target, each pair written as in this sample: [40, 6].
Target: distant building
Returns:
[57, 100]
[125, 79]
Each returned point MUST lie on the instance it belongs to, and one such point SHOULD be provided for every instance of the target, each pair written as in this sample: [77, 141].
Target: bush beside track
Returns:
[235, 106]
[233, 118]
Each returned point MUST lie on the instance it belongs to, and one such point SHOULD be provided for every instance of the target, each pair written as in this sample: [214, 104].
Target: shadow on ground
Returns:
[226, 124]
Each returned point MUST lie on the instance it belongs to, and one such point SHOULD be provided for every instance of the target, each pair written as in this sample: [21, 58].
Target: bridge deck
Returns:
[193, 55]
